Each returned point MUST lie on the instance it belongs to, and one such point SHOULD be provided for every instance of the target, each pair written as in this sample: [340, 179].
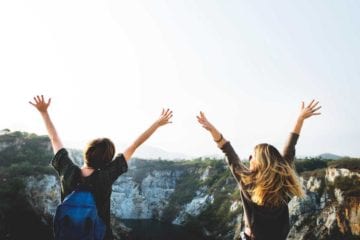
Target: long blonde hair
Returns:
[273, 181]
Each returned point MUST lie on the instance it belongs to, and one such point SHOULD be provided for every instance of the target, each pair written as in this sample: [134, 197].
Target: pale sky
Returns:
[111, 66]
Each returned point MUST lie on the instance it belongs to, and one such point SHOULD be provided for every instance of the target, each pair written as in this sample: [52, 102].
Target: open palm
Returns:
[40, 103]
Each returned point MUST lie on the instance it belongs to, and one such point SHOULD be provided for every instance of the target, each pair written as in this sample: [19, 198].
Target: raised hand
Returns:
[165, 117]
[310, 110]
[217, 136]
[40, 104]
[305, 112]
[204, 121]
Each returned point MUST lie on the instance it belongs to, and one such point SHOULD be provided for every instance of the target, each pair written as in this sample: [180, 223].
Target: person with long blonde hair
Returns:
[269, 183]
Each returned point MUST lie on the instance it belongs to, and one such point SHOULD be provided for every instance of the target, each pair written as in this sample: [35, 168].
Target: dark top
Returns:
[100, 181]
[264, 222]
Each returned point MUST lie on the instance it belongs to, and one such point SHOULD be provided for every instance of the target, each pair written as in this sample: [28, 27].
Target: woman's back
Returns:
[269, 183]
[267, 222]
[263, 221]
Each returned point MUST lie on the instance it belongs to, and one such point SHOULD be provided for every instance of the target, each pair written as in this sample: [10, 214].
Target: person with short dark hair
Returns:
[268, 184]
[100, 169]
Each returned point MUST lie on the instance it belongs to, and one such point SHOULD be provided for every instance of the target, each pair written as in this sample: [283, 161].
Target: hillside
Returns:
[199, 195]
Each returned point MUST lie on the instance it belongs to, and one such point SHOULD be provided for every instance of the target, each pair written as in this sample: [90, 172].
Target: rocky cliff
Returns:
[200, 195]
[330, 209]
[326, 212]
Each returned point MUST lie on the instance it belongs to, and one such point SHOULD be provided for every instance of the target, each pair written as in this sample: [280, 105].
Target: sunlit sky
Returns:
[111, 66]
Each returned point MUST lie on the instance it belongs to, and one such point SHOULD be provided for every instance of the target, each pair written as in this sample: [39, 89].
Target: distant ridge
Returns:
[330, 156]
[150, 152]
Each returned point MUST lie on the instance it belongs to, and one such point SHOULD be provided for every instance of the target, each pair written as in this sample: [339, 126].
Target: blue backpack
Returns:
[77, 218]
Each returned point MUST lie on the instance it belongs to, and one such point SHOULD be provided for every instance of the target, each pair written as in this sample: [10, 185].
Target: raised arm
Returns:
[42, 106]
[232, 158]
[305, 112]
[164, 119]
[216, 135]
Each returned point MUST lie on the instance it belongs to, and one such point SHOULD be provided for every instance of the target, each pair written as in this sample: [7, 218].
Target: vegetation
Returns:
[310, 164]
[19, 147]
[21, 155]
[352, 164]
[219, 184]
[187, 186]
[143, 167]
[217, 215]
[24, 154]
[349, 186]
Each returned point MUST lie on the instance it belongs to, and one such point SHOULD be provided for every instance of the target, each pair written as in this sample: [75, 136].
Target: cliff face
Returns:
[324, 213]
[348, 214]
[327, 211]
[350, 221]
[43, 194]
[200, 195]
[176, 192]
[144, 199]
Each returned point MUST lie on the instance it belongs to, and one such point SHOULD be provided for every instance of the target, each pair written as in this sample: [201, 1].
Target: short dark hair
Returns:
[99, 152]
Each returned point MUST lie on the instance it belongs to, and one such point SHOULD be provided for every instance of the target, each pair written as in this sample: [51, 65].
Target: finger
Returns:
[42, 98]
[32, 103]
[302, 105]
[38, 98]
[200, 120]
[35, 99]
[316, 109]
[168, 113]
[315, 104]
[203, 116]
[49, 101]
[309, 106]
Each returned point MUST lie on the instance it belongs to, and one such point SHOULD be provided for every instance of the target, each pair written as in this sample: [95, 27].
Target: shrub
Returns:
[310, 164]
[352, 164]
